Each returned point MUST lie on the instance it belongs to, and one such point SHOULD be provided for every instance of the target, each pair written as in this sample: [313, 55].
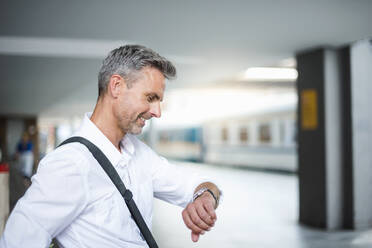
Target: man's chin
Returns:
[136, 131]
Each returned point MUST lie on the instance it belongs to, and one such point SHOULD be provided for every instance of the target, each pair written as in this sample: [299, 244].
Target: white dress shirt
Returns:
[71, 198]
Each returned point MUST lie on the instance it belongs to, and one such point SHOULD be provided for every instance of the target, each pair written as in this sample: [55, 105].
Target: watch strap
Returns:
[215, 198]
[202, 191]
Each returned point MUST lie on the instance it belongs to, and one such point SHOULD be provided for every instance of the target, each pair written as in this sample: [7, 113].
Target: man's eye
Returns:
[150, 98]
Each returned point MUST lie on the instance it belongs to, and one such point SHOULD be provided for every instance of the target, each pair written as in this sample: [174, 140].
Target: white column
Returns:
[361, 114]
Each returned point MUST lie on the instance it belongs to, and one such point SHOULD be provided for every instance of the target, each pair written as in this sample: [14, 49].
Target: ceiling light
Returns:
[270, 74]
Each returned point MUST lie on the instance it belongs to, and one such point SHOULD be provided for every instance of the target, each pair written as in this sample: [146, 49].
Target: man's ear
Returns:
[115, 85]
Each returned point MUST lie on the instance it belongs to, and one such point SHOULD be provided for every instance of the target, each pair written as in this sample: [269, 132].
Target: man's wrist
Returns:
[203, 190]
[214, 197]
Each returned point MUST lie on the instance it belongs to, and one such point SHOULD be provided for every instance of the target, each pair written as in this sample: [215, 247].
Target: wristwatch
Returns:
[201, 191]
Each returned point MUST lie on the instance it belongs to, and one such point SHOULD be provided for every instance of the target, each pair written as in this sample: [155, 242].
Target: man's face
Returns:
[140, 102]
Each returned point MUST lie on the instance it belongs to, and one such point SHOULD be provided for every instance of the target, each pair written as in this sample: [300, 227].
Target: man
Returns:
[71, 198]
[25, 158]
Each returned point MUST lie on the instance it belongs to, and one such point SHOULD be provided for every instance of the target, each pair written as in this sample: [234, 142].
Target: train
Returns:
[265, 140]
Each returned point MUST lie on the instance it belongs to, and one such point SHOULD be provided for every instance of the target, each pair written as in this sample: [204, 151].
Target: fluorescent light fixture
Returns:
[270, 74]
[57, 47]
[75, 48]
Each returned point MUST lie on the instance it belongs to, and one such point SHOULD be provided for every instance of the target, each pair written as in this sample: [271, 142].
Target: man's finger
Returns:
[210, 210]
[204, 215]
[188, 222]
[196, 219]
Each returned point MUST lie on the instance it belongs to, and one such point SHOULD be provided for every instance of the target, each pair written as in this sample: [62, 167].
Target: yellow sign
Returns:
[309, 109]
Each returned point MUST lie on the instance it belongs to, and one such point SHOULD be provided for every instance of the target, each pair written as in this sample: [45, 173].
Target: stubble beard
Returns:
[135, 129]
[131, 127]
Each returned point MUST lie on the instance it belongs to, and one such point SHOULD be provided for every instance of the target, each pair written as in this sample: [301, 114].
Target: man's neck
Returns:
[105, 122]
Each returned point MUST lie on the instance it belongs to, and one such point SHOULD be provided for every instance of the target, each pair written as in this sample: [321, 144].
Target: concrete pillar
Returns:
[335, 136]
[319, 138]
[360, 131]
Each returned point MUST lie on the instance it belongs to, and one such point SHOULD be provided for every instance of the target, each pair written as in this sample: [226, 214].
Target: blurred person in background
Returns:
[25, 157]
[71, 198]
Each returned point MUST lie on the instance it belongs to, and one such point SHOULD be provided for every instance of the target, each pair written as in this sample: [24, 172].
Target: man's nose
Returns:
[155, 110]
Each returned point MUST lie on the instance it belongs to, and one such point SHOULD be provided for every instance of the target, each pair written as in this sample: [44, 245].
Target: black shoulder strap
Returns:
[127, 194]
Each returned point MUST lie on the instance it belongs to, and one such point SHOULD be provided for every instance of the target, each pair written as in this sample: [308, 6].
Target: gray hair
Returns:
[127, 60]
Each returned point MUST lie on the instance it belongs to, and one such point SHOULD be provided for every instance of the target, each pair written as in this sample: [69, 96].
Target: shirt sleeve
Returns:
[57, 195]
[174, 184]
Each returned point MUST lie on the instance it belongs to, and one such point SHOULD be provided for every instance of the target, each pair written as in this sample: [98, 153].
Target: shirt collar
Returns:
[91, 132]
[127, 144]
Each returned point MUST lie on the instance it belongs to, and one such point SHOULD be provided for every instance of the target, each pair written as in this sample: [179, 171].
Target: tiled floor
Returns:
[259, 209]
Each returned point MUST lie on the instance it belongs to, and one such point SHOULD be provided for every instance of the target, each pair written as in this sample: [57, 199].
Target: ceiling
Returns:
[50, 51]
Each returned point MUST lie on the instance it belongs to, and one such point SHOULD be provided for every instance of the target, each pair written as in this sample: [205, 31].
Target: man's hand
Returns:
[200, 216]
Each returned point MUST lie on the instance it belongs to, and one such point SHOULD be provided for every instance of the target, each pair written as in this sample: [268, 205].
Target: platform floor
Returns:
[259, 209]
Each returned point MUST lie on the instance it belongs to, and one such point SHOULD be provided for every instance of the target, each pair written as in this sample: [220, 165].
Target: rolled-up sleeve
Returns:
[57, 195]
